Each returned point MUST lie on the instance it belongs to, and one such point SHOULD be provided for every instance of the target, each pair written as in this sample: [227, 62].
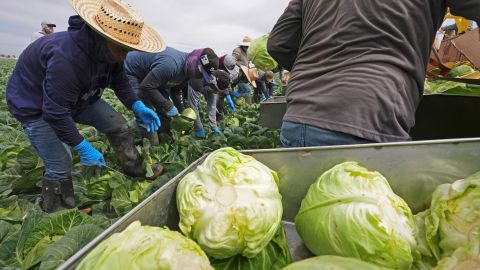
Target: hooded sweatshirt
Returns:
[58, 76]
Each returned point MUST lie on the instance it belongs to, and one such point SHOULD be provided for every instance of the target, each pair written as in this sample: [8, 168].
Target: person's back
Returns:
[166, 65]
[361, 65]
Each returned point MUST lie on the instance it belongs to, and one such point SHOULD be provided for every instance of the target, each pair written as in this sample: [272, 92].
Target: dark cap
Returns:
[209, 60]
[222, 78]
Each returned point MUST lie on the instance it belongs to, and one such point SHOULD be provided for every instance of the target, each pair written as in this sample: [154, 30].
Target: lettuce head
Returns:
[352, 212]
[230, 204]
[145, 247]
[453, 216]
[463, 258]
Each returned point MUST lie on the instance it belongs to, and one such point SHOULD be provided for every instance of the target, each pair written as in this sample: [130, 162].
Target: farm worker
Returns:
[264, 87]
[46, 29]
[240, 54]
[58, 81]
[238, 74]
[358, 68]
[156, 77]
[204, 79]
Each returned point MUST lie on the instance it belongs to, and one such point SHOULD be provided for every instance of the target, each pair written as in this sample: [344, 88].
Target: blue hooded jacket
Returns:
[58, 75]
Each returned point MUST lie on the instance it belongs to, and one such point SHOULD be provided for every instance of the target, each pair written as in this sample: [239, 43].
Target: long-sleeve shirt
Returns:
[60, 74]
[358, 67]
[157, 71]
[241, 56]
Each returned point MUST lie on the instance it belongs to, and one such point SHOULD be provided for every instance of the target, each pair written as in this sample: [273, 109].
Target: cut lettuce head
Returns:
[463, 258]
[230, 204]
[333, 263]
[352, 212]
[453, 216]
[145, 247]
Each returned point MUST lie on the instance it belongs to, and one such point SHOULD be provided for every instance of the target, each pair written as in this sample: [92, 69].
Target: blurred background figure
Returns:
[47, 28]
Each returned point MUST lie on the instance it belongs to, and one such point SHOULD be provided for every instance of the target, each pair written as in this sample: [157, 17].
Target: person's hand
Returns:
[217, 130]
[200, 133]
[230, 103]
[148, 117]
[173, 112]
[89, 156]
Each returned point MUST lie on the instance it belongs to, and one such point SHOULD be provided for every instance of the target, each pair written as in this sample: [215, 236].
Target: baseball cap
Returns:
[209, 60]
[48, 23]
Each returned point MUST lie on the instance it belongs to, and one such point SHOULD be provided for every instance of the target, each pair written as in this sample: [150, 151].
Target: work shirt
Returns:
[37, 35]
[167, 66]
[155, 72]
[59, 75]
[358, 67]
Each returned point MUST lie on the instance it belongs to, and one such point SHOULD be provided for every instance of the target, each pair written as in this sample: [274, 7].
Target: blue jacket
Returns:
[57, 76]
[168, 66]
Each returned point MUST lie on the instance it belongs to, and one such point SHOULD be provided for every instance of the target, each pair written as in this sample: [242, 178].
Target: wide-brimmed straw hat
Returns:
[251, 74]
[246, 41]
[120, 23]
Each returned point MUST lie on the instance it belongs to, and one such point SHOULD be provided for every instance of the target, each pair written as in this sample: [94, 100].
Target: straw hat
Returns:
[120, 23]
[251, 74]
[246, 41]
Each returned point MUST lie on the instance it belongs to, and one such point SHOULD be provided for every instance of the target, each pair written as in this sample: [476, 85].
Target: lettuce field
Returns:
[33, 239]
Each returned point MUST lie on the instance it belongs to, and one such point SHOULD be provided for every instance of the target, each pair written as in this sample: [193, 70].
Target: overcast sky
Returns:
[184, 24]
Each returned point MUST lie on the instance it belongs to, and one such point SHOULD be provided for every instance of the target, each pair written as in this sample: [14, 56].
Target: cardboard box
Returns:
[463, 48]
[453, 50]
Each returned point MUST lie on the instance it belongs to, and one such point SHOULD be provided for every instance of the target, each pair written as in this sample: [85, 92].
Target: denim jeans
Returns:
[194, 103]
[244, 89]
[55, 154]
[302, 135]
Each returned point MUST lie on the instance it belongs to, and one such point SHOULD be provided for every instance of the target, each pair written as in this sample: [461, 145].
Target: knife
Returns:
[114, 170]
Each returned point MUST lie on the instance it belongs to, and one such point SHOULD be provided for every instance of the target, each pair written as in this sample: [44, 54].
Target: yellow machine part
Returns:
[462, 23]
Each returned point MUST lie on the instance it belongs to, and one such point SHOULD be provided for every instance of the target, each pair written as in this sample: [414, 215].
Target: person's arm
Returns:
[149, 90]
[284, 40]
[122, 88]
[469, 9]
[61, 90]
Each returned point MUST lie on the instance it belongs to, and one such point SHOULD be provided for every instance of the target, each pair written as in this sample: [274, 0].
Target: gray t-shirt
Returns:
[358, 67]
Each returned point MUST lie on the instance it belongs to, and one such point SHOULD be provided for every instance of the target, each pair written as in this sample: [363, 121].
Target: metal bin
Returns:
[414, 170]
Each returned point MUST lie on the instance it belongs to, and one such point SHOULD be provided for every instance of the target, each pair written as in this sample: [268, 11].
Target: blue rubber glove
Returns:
[230, 103]
[236, 94]
[217, 130]
[89, 156]
[200, 134]
[148, 117]
[173, 112]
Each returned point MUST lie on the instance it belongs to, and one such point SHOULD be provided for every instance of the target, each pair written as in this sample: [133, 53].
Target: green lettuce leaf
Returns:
[274, 256]
[68, 245]
[334, 263]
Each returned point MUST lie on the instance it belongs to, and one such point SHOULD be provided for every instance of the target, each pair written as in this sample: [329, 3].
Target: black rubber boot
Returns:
[123, 143]
[57, 195]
